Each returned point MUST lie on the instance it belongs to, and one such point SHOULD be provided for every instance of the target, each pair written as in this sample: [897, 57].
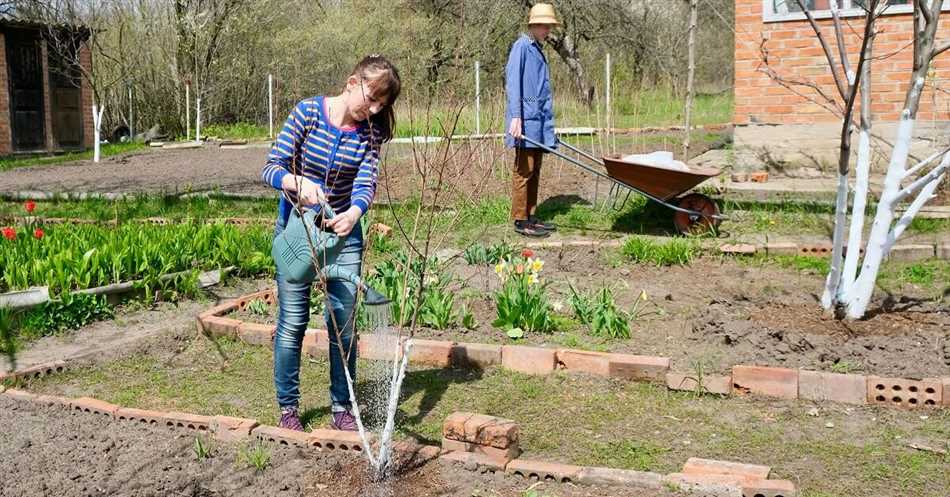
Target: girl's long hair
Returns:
[383, 82]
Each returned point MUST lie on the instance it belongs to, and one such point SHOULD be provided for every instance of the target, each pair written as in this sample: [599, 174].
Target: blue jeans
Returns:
[293, 315]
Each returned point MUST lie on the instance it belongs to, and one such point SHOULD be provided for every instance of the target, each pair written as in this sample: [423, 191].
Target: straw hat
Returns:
[542, 13]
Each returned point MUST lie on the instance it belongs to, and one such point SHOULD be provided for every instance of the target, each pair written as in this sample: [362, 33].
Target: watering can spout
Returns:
[373, 297]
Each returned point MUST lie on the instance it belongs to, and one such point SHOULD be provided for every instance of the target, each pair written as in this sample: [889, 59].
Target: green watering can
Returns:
[294, 254]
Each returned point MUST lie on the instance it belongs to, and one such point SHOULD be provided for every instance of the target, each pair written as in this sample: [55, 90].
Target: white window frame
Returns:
[769, 15]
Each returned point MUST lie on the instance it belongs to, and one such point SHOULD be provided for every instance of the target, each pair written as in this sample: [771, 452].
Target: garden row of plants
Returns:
[523, 303]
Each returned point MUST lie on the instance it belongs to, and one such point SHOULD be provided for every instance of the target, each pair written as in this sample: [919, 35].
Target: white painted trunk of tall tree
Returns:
[96, 130]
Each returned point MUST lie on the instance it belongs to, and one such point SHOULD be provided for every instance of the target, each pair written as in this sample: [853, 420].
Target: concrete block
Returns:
[217, 326]
[906, 253]
[337, 440]
[229, 429]
[773, 249]
[20, 395]
[143, 416]
[699, 466]
[472, 462]
[186, 420]
[431, 352]
[94, 406]
[376, 347]
[638, 367]
[717, 384]
[528, 360]
[738, 249]
[499, 455]
[819, 386]
[584, 361]
[771, 382]
[769, 488]
[620, 477]
[281, 436]
[899, 392]
[815, 249]
[476, 355]
[481, 429]
[943, 251]
[316, 343]
[706, 485]
[254, 333]
[544, 471]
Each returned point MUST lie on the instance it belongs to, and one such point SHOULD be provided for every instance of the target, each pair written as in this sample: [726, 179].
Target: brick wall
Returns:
[6, 138]
[794, 53]
[85, 58]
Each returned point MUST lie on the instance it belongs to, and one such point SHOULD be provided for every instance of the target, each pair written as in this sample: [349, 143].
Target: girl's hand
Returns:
[343, 224]
[309, 192]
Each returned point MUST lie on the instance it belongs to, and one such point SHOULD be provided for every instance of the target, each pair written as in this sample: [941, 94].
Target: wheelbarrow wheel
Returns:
[692, 224]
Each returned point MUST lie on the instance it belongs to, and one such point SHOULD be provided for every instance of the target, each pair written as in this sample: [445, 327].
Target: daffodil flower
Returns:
[500, 268]
[536, 265]
[532, 279]
[643, 295]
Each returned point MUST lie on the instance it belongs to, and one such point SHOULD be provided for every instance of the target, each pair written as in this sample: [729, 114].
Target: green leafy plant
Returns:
[438, 309]
[8, 339]
[607, 320]
[259, 308]
[478, 254]
[257, 457]
[72, 311]
[382, 244]
[522, 301]
[202, 449]
[468, 319]
[678, 251]
[582, 304]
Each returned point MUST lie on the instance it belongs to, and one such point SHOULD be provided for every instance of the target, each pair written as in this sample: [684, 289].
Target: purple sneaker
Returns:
[289, 419]
[343, 421]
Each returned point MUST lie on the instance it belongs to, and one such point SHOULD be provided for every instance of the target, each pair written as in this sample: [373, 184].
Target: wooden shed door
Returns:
[65, 99]
[25, 70]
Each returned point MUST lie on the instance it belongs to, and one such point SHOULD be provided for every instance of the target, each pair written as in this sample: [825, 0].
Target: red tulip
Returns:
[9, 233]
[38, 233]
[527, 253]
[29, 206]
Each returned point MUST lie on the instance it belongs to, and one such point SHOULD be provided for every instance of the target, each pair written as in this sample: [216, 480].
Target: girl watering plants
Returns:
[328, 153]
[530, 114]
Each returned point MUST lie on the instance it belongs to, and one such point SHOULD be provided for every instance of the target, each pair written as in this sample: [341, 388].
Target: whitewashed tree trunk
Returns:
[96, 130]
[861, 181]
[691, 71]
[198, 120]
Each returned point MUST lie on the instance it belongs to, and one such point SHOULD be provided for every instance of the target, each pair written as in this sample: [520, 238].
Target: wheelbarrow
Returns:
[694, 213]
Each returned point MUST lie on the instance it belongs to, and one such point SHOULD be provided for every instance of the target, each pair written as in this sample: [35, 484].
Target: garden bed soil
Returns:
[719, 313]
[46, 449]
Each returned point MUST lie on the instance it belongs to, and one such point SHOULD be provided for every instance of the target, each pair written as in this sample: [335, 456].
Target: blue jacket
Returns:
[528, 88]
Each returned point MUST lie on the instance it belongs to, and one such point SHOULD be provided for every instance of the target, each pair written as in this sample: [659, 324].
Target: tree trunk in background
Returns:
[691, 71]
[567, 49]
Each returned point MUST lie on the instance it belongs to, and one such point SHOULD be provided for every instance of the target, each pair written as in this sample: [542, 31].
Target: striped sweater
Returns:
[343, 161]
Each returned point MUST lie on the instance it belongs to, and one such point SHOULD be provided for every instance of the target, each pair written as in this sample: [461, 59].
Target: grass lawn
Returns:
[843, 451]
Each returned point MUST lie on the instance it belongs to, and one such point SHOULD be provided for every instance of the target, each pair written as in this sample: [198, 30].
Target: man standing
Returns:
[530, 114]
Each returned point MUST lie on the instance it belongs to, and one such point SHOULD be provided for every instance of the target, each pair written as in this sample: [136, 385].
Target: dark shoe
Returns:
[525, 228]
[537, 223]
[289, 419]
[343, 421]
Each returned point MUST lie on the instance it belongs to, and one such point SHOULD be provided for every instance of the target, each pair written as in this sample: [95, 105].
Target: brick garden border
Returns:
[776, 382]
[699, 477]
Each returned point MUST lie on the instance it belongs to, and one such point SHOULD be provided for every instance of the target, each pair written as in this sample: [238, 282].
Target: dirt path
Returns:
[112, 338]
[45, 450]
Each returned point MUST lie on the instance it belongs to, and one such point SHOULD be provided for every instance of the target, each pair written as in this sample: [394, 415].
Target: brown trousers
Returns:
[524, 182]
